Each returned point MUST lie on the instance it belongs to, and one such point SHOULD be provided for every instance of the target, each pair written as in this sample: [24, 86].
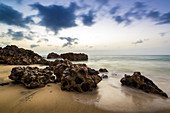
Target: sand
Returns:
[109, 97]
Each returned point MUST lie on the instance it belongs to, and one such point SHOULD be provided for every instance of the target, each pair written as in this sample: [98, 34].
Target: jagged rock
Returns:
[75, 56]
[76, 77]
[141, 82]
[104, 76]
[92, 71]
[13, 55]
[103, 70]
[32, 77]
[53, 55]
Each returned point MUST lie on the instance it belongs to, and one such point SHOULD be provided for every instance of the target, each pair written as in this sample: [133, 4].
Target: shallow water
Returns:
[109, 95]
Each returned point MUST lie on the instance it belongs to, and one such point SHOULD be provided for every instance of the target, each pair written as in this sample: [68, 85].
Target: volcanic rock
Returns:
[103, 70]
[75, 56]
[141, 82]
[32, 77]
[53, 55]
[13, 55]
[76, 77]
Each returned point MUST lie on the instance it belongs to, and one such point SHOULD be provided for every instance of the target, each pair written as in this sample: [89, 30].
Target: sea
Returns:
[110, 95]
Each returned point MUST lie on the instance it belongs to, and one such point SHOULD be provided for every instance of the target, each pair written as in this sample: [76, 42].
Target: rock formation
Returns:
[32, 77]
[13, 55]
[53, 55]
[103, 70]
[141, 82]
[76, 77]
[75, 56]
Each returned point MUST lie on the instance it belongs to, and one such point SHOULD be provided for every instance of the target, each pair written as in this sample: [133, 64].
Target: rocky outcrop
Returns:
[13, 55]
[103, 70]
[76, 77]
[141, 82]
[75, 56]
[32, 77]
[53, 55]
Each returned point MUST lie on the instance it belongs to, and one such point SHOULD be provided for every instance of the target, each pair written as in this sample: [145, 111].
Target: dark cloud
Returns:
[43, 39]
[138, 12]
[18, 35]
[88, 19]
[114, 9]
[70, 41]
[10, 16]
[56, 17]
[34, 45]
[138, 42]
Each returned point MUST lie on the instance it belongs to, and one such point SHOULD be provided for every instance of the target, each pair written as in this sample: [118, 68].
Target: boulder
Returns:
[13, 55]
[32, 77]
[104, 76]
[75, 56]
[141, 82]
[53, 55]
[103, 70]
[76, 77]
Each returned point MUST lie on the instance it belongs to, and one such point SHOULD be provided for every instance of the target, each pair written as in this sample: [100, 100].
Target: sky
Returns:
[99, 27]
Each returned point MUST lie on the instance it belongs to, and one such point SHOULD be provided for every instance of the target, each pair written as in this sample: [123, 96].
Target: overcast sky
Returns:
[120, 27]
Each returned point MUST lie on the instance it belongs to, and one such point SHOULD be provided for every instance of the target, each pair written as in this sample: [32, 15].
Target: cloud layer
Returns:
[10, 16]
[70, 41]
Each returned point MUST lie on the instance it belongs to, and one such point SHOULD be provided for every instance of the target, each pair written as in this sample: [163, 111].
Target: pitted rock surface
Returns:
[32, 77]
[141, 82]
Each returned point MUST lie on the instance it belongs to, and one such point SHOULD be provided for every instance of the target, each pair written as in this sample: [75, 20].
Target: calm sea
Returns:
[159, 65]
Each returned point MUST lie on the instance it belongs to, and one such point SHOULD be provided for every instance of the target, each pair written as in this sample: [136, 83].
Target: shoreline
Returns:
[109, 97]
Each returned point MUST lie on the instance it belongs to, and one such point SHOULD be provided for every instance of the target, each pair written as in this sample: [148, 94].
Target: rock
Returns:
[53, 55]
[32, 77]
[3, 84]
[75, 77]
[141, 82]
[75, 56]
[104, 76]
[13, 55]
[103, 70]
[92, 71]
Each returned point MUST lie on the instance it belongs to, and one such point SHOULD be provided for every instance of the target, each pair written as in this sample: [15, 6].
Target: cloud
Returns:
[138, 12]
[138, 42]
[4, 43]
[10, 16]
[163, 34]
[114, 10]
[18, 35]
[88, 19]
[34, 45]
[56, 17]
[43, 39]
[70, 41]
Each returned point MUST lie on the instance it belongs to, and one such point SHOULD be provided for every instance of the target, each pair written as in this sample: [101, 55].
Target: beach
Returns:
[109, 97]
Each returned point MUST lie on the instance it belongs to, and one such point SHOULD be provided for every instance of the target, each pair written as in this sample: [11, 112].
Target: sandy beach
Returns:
[109, 97]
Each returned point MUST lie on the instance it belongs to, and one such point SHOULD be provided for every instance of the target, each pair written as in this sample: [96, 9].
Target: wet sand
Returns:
[109, 97]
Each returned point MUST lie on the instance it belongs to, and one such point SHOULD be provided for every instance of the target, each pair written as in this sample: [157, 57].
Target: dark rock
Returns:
[75, 77]
[103, 70]
[53, 55]
[75, 56]
[92, 71]
[13, 55]
[104, 76]
[3, 84]
[32, 77]
[141, 82]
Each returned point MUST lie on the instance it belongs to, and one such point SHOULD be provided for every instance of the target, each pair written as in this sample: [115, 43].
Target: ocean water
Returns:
[159, 65]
